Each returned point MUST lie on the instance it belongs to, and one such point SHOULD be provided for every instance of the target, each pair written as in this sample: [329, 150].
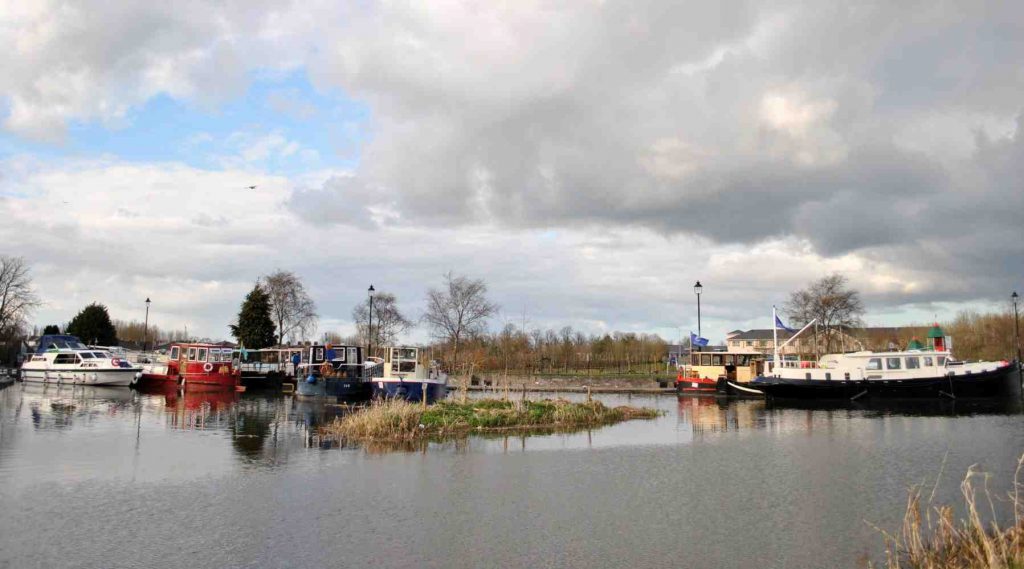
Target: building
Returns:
[842, 340]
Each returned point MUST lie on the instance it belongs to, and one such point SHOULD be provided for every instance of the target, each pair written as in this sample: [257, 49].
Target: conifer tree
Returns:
[254, 328]
[93, 326]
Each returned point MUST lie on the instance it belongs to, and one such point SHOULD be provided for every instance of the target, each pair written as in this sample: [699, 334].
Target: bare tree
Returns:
[457, 311]
[836, 307]
[291, 307]
[388, 321]
[17, 297]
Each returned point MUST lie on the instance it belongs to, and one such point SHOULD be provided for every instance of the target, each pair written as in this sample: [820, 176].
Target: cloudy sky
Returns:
[590, 160]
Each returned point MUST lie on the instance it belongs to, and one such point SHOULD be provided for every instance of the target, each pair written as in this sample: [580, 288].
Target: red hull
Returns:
[208, 380]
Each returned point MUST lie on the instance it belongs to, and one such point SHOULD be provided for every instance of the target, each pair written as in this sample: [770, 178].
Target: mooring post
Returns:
[424, 389]
[589, 398]
[524, 392]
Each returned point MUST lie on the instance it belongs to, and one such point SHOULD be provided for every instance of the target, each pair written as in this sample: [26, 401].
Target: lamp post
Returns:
[697, 289]
[145, 328]
[369, 324]
[1016, 325]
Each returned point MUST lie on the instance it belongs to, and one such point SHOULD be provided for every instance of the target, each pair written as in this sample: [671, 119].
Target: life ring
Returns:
[326, 368]
[207, 367]
[115, 362]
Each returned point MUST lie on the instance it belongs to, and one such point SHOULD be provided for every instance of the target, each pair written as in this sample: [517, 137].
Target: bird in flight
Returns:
[251, 187]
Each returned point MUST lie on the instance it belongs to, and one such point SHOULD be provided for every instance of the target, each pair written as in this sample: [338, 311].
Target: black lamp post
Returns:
[369, 324]
[697, 289]
[145, 328]
[1016, 325]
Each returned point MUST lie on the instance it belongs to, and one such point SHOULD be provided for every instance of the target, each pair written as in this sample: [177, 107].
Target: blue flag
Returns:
[696, 340]
[778, 323]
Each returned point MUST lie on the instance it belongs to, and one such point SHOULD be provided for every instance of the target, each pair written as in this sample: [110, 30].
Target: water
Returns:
[114, 478]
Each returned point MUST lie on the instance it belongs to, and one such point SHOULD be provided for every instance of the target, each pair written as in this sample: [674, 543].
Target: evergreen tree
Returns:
[254, 328]
[93, 326]
[51, 329]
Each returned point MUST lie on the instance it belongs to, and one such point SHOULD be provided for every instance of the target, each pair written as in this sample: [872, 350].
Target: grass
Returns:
[398, 420]
[934, 539]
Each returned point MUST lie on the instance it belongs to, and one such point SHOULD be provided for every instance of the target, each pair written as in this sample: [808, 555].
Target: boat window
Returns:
[874, 364]
[407, 367]
[101, 355]
[942, 360]
[353, 355]
[339, 354]
[729, 360]
[743, 360]
[65, 359]
[174, 352]
[406, 353]
[87, 355]
[191, 354]
[914, 363]
[705, 359]
[928, 361]
[201, 355]
[892, 363]
[828, 376]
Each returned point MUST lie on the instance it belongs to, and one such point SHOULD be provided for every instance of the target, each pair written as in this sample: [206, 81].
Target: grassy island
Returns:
[399, 420]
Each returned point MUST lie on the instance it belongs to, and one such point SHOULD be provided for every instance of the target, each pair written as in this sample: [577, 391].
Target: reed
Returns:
[930, 537]
[399, 420]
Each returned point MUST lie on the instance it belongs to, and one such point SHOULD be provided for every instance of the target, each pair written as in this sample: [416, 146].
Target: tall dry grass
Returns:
[400, 420]
[932, 538]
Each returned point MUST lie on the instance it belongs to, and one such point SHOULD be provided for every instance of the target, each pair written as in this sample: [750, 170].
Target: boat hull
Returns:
[410, 390]
[334, 388]
[696, 386]
[1002, 381]
[113, 377]
[191, 380]
[737, 389]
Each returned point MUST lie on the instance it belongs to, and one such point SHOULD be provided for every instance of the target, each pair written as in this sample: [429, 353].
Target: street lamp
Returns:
[145, 328]
[697, 289]
[1016, 325]
[369, 324]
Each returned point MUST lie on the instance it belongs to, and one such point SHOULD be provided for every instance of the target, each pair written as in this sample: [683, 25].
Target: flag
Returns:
[778, 323]
[696, 340]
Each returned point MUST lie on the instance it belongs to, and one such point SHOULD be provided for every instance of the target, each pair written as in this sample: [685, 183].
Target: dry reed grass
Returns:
[934, 539]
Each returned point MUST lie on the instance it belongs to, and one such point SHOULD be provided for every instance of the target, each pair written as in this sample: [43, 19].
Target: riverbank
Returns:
[398, 420]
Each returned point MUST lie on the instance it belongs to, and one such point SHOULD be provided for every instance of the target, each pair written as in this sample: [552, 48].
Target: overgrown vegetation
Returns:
[401, 420]
[931, 538]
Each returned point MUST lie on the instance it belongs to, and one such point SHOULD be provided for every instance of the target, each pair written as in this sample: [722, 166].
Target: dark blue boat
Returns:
[334, 373]
[401, 375]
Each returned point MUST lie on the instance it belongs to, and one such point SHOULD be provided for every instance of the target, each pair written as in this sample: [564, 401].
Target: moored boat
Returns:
[193, 366]
[720, 373]
[336, 373]
[402, 376]
[64, 359]
[907, 374]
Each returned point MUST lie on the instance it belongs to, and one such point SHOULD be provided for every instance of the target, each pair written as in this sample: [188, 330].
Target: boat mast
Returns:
[775, 339]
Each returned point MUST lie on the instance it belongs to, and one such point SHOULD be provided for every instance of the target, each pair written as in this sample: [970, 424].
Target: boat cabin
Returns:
[738, 366]
[333, 361]
[188, 358]
[58, 342]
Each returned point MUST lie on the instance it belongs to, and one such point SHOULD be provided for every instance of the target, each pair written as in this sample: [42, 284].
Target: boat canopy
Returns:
[52, 342]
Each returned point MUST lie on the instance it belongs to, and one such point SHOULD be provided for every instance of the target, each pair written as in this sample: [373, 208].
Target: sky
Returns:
[589, 160]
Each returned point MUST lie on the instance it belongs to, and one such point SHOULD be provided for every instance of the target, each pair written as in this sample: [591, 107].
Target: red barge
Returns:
[194, 365]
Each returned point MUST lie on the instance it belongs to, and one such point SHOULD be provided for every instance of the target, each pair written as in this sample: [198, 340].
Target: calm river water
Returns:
[105, 478]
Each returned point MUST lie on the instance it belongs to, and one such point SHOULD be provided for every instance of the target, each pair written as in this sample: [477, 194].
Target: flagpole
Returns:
[775, 338]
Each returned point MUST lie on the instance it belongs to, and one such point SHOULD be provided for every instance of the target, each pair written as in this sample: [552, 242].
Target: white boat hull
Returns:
[119, 377]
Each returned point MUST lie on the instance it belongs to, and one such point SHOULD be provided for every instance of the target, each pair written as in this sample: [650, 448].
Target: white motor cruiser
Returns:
[63, 359]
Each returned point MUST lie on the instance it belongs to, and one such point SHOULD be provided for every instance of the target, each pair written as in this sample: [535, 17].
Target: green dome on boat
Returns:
[936, 332]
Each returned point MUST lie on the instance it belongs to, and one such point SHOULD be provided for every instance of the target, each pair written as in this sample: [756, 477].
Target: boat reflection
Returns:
[61, 406]
[910, 407]
[193, 409]
[717, 414]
